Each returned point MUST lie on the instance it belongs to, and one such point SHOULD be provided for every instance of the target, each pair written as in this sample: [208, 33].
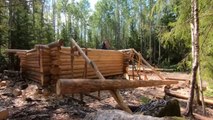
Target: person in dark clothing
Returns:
[105, 45]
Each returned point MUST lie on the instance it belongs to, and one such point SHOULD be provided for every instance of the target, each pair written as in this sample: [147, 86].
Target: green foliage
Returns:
[144, 100]
[3, 63]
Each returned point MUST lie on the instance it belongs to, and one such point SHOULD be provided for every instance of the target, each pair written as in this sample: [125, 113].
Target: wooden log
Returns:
[31, 54]
[90, 73]
[114, 93]
[89, 76]
[66, 67]
[70, 86]
[41, 46]
[110, 70]
[46, 69]
[15, 51]
[179, 95]
[56, 44]
[178, 79]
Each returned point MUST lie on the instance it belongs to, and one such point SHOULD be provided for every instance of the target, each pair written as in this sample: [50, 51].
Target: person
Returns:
[105, 44]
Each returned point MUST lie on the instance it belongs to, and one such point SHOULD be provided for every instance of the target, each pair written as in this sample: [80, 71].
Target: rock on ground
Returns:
[118, 115]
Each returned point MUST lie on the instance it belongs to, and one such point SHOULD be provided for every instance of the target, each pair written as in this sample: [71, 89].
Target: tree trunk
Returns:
[117, 33]
[10, 42]
[197, 91]
[201, 90]
[54, 12]
[150, 30]
[70, 86]
[159, 52]
[195, 54]
[42, 20]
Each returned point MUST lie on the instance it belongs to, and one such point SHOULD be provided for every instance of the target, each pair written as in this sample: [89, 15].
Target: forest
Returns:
[159, 29]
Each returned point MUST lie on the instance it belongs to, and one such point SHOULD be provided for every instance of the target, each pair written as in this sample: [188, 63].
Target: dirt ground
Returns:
[31, 102]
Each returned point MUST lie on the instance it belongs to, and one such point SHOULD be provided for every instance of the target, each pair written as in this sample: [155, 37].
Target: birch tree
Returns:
[195, 53]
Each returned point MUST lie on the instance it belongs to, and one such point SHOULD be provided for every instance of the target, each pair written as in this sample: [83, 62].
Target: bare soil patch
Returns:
[36, 103]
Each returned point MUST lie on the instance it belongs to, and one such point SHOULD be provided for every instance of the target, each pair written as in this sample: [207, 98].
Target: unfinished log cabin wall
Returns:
[48, 63]
[109, 62]
[35, 64]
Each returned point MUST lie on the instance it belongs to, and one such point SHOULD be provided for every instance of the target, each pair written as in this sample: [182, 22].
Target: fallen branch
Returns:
[178, 95]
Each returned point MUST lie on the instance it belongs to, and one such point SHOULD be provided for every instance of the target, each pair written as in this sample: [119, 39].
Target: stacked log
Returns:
[54, 54]
[109, 62]
[36, 64]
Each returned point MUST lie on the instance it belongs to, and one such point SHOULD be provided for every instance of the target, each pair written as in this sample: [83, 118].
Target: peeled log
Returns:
[70, 86]
[56, 44]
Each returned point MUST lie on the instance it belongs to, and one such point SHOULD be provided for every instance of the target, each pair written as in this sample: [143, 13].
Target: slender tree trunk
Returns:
[197, 91]
[150, 30]
[10, 42]
[117, 16]
[195, 55]
[42, 21]
[201, 90]
[159, 52]
[54, 12]
[33, 19]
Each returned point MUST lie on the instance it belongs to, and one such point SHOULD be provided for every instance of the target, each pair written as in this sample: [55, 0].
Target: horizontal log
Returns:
[94, 76]
[100, 57]
[71, 86]
[179, 95]
[39, 46]
[15, 51]
[80, 73]
[67, 53]
[178, 79]
[101, 67]
[32, 52]
[55, 48]
[38, 69]
[57, 43]
[96, 62]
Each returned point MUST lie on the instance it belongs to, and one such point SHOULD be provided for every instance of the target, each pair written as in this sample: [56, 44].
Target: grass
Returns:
[209, 91]
[144, 100]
